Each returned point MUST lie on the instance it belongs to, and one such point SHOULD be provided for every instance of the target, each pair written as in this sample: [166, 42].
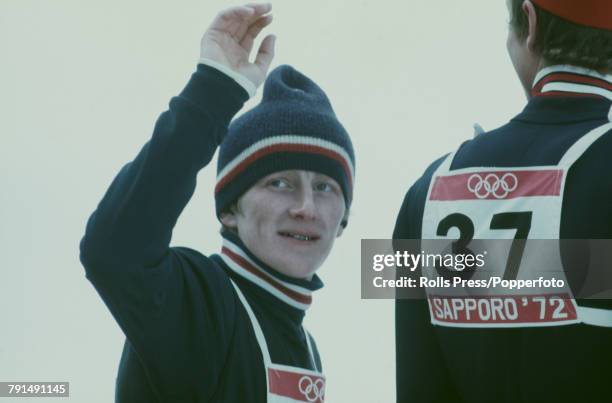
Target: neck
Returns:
[296, 293]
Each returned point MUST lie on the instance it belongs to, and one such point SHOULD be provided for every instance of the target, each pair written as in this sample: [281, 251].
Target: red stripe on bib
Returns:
[295, 385]
[497, 185]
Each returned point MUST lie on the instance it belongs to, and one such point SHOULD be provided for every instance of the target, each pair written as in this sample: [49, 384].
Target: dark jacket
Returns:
[530, 364]
[188, 338]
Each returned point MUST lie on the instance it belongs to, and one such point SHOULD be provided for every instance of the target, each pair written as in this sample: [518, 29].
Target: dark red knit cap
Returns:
[592, 13]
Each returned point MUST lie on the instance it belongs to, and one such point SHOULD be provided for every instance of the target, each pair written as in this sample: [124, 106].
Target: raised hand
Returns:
[229, 40]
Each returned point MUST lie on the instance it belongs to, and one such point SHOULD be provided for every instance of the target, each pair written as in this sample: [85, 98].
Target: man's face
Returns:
[526, 62]
[290, 220]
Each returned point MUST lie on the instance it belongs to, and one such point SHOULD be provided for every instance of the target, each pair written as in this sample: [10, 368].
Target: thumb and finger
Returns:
[254, 25]
[244, 24]
[253, 30]
[265, 54]
[235, 21]
[228, 20]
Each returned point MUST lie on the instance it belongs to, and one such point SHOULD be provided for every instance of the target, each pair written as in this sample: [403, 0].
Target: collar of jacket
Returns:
[296, 293]
[568, 94]
[571, 81]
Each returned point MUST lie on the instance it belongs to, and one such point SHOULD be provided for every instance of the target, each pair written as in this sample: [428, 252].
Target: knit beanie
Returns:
[293, 127]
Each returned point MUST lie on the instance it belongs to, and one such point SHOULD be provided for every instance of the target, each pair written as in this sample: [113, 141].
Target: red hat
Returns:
[592, 13]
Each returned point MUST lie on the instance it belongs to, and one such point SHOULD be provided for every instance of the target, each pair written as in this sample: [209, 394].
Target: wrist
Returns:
[215, 93]
[240, 79]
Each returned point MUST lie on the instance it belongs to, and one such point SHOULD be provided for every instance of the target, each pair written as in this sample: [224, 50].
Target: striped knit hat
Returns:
[294, 127]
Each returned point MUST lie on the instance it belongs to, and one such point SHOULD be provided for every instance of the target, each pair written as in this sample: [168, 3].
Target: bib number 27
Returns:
[520, 221]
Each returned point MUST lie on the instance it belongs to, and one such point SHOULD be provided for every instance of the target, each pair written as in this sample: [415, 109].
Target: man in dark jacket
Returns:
[228, 327]
[544, 175]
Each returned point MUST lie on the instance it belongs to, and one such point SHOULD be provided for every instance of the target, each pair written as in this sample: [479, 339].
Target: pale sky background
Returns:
[82, 84]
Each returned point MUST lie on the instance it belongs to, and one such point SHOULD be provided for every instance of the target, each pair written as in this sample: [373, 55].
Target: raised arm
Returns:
[168, 300]
[133, 222]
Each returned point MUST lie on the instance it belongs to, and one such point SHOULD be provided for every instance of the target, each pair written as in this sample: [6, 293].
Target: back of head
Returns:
[576, 32]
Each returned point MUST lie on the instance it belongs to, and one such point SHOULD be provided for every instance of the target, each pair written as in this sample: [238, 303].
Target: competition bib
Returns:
[513, 205]
[286, 384]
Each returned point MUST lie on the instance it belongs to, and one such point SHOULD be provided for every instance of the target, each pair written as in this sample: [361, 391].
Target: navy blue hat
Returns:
[294, 127]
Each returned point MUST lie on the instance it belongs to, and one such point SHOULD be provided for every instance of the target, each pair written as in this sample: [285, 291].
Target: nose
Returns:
[304, 206]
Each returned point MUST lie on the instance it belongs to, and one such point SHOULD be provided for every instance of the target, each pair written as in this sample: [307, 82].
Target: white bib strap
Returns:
[445, 165]
[579, 147]
[261, 340]
[313, 362]
[595, 316]
[442, 169]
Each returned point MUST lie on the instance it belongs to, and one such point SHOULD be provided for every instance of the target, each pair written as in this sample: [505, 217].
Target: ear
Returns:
[228, 219]
[532, 17]
[343, 224]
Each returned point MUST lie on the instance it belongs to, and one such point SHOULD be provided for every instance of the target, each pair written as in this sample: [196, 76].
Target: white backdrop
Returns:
[81, 85]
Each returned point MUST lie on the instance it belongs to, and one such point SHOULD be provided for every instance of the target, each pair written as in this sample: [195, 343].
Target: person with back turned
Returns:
[546, 174]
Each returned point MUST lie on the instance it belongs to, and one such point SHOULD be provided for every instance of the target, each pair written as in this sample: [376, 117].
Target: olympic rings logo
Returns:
[492, 185]
[313, 391]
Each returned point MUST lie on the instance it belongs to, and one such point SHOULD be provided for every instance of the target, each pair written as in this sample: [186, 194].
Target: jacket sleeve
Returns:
[166, 300]
[421, 372]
